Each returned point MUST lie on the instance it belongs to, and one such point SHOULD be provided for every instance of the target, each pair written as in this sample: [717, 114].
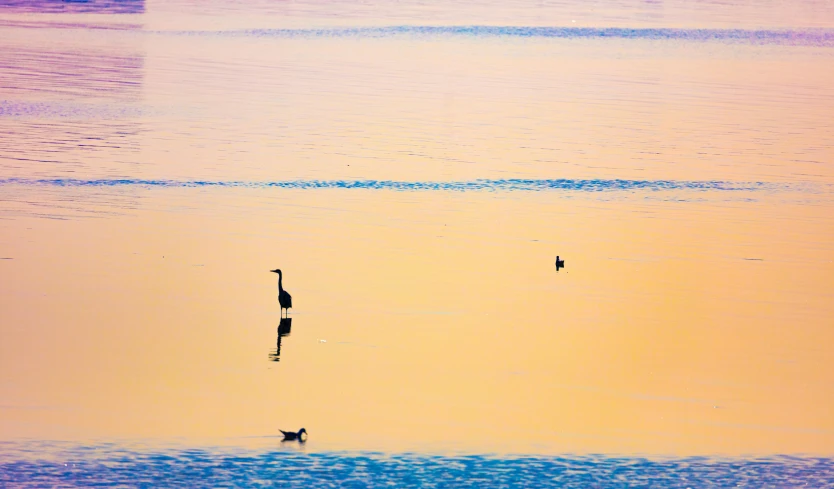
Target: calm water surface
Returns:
[414, 168]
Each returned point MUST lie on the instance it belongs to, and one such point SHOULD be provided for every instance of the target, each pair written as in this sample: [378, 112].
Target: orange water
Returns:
[684, 322]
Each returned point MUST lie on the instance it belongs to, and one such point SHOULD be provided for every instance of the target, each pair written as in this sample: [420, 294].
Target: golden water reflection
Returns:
[676, 327]
[684, 321]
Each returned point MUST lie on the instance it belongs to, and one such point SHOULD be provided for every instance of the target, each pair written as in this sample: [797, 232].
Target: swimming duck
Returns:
[291, 435]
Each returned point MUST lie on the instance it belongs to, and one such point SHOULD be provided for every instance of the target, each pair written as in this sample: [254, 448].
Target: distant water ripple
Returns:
[25, 109]
[809, 37]
[581, 185]
[116, 466]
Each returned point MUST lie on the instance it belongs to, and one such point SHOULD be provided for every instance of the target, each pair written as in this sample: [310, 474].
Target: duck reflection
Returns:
[283, 330]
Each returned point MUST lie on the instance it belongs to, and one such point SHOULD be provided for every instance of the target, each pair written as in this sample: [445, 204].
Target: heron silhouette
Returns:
[291, 435]
[284, 297]
[559, 263]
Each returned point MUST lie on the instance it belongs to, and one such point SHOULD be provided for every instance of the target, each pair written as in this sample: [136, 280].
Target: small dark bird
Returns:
[292, 436]
[284, 297]
[559, 263]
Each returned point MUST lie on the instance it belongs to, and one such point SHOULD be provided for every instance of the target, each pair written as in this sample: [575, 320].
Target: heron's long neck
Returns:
[279, 283]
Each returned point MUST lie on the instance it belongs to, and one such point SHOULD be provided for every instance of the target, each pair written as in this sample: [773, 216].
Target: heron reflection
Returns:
[283, 330]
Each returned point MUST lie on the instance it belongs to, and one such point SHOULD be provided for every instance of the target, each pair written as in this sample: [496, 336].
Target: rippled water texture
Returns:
[113, 465]
[596, 185]
[414, 168]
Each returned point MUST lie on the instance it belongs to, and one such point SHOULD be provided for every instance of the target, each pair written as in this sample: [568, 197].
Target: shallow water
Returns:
[414, 169]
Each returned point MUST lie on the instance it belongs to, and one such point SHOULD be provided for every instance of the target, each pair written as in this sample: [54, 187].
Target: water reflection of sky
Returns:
[73, 6]
[416, 167]
[70, 103]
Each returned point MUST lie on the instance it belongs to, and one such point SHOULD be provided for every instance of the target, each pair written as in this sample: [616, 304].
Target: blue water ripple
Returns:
[222, 468]
[805, 37]
[512, 184]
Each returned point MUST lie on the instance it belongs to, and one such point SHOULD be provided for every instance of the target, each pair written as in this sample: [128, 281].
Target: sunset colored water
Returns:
[414, 168]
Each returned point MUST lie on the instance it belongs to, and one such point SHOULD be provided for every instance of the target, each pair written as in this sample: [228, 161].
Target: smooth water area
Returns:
[414, 168]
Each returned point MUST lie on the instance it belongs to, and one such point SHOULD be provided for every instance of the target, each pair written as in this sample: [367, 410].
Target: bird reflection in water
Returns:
[283, 330]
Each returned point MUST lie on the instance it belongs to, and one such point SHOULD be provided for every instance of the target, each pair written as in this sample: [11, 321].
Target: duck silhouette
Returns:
[559, 263]
[292, 436]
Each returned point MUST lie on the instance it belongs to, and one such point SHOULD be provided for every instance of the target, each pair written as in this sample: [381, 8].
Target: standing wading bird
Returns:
[291, 436]
[284, 297]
